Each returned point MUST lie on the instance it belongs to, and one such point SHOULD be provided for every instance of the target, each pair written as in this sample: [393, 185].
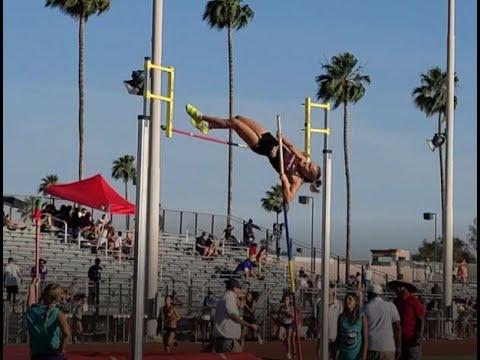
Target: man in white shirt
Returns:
[384, 331]
[367, 276]
[228, 323]
[12, 278]
[335, 308]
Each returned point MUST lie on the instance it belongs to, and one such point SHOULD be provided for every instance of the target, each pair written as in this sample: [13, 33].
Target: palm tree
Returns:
[431, 98]
[46, 181]
[343, 83]
[230, 14]
[124, 168]
[273, 202]
[80, 10]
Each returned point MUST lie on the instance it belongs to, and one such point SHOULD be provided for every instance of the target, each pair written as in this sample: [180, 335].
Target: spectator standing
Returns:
[352, 330]
[42, 273]
[171, 316]
[436, 290]
[384, 331]
[367, 276]
[248, 234]
[412, 313]
[462, 272]
[47, 326]
[208, 315]
[358, 282]
[351, 283]
[286, 324]
[228, 324]
[12, 278]
[94, 277]
[428, 271]
[80, 302]
[335, 308]
[249, 312]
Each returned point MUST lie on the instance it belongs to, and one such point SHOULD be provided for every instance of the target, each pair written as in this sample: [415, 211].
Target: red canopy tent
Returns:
[94, 192]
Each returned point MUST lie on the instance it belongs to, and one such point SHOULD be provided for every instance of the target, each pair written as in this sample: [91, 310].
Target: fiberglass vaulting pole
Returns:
[153, 212]
[291, 263]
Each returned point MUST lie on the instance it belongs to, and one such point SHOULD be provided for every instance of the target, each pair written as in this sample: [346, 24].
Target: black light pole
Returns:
[430, 216]
[305, 200]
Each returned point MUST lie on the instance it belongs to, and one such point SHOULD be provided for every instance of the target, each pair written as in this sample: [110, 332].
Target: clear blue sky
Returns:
[395, 178]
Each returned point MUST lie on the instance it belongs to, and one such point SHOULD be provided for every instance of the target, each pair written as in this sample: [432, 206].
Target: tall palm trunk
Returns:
[230, 115]
[127, 217]
[81, 99]
[442, 181]
[347, 178]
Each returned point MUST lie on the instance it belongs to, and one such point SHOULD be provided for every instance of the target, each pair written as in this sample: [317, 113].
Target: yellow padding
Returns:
[318, 105]
[323, 131]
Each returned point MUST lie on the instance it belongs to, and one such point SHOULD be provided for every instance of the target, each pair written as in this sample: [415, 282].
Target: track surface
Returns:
[447, 349]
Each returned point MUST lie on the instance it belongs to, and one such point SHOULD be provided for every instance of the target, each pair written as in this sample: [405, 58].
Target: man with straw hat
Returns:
[412, 313]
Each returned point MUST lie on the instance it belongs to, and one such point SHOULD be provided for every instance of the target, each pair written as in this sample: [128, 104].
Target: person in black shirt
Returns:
[94, 277]
[248, 234]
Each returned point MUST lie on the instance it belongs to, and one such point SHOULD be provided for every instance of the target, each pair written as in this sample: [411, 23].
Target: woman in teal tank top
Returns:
[352, 330]
[48, 327]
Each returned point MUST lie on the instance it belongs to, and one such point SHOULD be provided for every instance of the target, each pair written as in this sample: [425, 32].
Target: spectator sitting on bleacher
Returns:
[86, 226]
[261, 258]
[247, 266]
[127, 245]
[100, 224]
[11, 225]
[212, 245]
[117, 245]
[64, 214]
[227, 234]
[201, 245]
[48, 212]
[74, 222]
[103, 238]
[252, 250]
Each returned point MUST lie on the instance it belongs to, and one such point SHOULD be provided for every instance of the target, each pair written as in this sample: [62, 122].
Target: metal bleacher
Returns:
[181, 271]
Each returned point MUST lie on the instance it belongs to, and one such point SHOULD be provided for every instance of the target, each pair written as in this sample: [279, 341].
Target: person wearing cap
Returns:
[228, 323]
[384, 331]
[412, 313]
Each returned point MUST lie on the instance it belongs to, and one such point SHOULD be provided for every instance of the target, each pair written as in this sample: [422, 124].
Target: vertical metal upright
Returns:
[322, 348]
[137, 323]
[448, 221]
[326, 207]
[154, 174]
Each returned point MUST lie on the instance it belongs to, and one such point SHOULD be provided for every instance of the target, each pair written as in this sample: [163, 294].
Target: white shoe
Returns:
[289, 357]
